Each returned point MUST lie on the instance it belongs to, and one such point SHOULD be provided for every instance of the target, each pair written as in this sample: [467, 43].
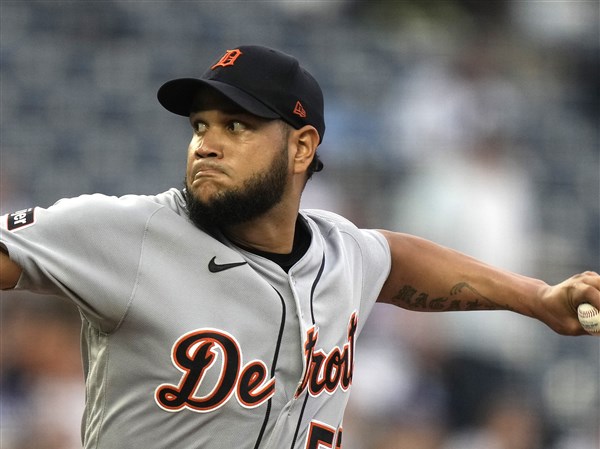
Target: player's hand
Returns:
[9, 272]
[558, 308]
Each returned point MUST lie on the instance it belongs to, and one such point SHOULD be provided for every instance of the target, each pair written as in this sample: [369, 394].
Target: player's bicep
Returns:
[420, 269]
[9, 270]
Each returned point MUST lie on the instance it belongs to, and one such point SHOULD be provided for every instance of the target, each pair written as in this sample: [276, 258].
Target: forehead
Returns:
[206, 99]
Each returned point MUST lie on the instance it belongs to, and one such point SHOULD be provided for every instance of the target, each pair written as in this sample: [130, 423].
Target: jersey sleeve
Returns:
[375, 265]
[368, 253]
[377, 262]
[86, 249]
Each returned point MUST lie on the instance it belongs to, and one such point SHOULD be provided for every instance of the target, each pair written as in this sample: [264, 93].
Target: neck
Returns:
[272, 232]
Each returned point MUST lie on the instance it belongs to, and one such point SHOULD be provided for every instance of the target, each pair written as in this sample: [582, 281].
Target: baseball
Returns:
[589, 317]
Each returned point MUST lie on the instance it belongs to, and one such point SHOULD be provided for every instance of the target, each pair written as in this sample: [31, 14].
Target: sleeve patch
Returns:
[20, 219]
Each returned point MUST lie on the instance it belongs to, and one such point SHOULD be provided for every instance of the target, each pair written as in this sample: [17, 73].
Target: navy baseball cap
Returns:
[263, 81]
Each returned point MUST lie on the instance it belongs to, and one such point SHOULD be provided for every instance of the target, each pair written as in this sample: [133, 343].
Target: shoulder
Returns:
[172, 199]
[93, 211]
[101, 204]
[364, 252]
[330, 224]
[326, 220]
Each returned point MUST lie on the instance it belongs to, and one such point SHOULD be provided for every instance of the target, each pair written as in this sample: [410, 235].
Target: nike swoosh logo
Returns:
[214, 267]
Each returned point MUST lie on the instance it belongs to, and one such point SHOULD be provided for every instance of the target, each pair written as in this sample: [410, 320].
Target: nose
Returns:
[206, 147]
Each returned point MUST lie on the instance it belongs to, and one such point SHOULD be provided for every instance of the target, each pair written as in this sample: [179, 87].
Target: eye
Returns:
[236, 126]
[199, 127]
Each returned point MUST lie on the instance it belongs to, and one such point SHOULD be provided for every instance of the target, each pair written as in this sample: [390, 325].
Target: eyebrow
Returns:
[232, 111]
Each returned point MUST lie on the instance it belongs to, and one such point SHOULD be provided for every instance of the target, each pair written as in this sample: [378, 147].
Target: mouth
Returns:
[207, 179]
[206, 171]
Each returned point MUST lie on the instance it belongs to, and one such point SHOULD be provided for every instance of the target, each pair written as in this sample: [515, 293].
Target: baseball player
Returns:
[222, 316]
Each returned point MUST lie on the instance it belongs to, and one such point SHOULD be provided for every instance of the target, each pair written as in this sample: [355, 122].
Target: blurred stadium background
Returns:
[471, 123]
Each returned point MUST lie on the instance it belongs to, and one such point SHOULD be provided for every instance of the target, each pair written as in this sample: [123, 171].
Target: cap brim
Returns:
[177, 96]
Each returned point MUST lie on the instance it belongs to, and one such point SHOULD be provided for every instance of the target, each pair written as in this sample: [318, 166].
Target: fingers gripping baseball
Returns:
[586, 288]
[588, 312]
[561, 301]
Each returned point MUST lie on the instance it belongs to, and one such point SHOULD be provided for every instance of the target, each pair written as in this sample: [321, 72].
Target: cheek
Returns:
[195, 142]
[192, 146]
[191, 151]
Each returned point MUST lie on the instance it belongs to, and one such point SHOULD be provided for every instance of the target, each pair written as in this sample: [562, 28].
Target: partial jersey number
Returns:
[322, 436]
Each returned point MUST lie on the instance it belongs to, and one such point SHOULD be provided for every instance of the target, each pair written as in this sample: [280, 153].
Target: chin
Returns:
[204, 191]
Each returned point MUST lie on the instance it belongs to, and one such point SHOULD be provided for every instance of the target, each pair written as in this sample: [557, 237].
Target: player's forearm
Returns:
[429, 277]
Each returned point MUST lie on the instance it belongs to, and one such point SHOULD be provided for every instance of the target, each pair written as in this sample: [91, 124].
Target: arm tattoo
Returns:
[462, 296]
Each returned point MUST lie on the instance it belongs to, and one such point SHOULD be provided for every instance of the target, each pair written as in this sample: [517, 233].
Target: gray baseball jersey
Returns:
[191, 342]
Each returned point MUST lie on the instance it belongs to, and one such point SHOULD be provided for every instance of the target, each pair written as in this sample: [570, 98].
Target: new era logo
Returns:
[299, 110]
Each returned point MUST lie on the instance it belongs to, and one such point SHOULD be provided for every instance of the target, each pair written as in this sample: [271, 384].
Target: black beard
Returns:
[239, 205]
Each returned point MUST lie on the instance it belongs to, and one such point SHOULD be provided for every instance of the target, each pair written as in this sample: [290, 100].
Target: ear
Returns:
[305, 142]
